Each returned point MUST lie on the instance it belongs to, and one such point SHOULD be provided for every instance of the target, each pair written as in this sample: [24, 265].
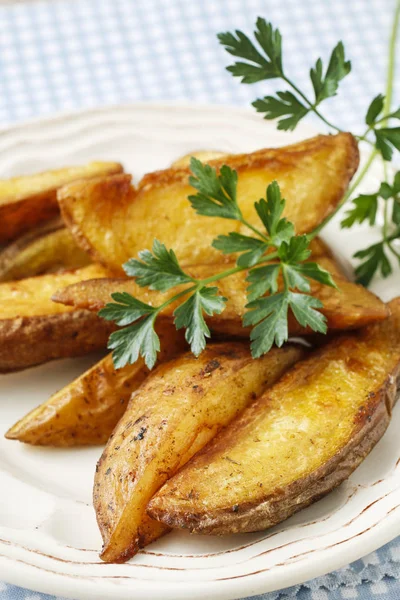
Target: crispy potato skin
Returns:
[46, 249]
[32, 199]
[86, 411]
[350, 307]
[178, 409]
[295, 443]
[114, 221]
[34, 330]
[205, 156]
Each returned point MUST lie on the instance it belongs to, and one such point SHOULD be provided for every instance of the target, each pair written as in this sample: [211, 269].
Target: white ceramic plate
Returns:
[48, 535]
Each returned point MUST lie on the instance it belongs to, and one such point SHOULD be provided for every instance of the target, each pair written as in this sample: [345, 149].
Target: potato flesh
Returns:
[18, 188]
[204, 155]
[86, 411]
[350, 306]
[113, 221]
[32, 296]
[53, 251]
[293, 430]
[31, 200]
[176, 412]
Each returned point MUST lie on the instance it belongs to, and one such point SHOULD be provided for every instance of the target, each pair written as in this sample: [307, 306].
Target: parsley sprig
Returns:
[275, 258]
[261, 59]
[273, 253]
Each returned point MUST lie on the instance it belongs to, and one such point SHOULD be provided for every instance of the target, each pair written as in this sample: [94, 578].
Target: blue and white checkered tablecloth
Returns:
[60, 55]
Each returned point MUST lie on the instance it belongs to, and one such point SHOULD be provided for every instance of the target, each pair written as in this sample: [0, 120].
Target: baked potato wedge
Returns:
[113, 221]
[33, 329]
[45, 249]
[295, 443]
[349, 307]
[86, 411]
[177, 410]
[203, 155]
[29, 200]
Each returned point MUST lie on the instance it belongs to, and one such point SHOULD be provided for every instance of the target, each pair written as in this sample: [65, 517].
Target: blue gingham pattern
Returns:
[63, 55]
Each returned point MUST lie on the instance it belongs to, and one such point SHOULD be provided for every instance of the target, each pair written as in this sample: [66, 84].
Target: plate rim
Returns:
[14, 571]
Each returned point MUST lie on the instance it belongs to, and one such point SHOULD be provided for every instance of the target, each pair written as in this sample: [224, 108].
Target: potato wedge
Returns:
[46, 249]
[29, 200]
[33, 329]
[114, 221]
[350, 307]
[295, 443]
[203, 155]
[178, 409]
[86, 411]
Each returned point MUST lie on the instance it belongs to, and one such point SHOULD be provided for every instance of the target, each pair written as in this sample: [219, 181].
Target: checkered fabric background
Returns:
[62, 55]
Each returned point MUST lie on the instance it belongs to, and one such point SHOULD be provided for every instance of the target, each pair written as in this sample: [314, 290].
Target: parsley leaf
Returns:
[158, 270]
[258, 66]
[375, 261]
[270, 212]
[396, 211]
[386, 139]
[125, 310]
[296, 250]
[314, 271]
[375, 109]
[269, 314]
[262, 280]
[395, 114]
[285, 105]
[338, 68]
[303, 308]
[236, 242]
[139, 339]
[364, 209]
[190, 316]
[395, 194]
[216, 195]
[297, 275]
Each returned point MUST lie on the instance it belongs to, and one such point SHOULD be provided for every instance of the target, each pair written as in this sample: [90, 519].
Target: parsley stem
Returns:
[310, 104]
[391, 62]
[255, 230]
[347, 195]
[386, 115]
[203, 282]
[176, 297]
[266, 259]
[363, 137]
[390, 77]
[387, 240]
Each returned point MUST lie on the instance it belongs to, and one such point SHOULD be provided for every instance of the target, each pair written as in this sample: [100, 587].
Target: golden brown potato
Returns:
[33, 329]
[178, 409]
[296, 442]
[204, 155]
[29, 200]
[86, 411]
[349, 307]
[114, 221]
[46, 249]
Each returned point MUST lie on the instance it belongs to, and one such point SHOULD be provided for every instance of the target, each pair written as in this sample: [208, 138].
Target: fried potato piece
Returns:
[46, 249]
[349, 307]
[85, 412]
[29, 200]
[203, 155]
[178, 409]
[113, 221]
[33, 329]
[295, 443]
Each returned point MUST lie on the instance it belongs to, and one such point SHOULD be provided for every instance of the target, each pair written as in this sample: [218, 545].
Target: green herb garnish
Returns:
[271, 252]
